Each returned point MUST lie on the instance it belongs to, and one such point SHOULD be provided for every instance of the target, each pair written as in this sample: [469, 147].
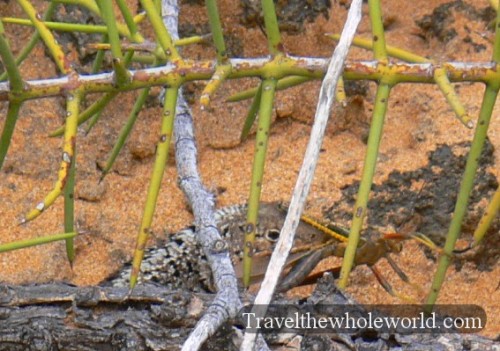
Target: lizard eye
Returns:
[272, 235]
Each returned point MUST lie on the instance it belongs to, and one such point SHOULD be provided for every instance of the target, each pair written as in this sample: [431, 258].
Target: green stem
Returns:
[220, 75]
[69, 209]
[99, 57]
[272, 28]
[496, 44]
[252, 114]
[391, 50]
[379, 111]
[488, 216]
[340, 95]
[15, 79]
[92, 7]
[265, 114]
[360, 207]
[108, 16]
[162, 34]
[284, 83]
[123, 78]
[485, 113]
[489, 99]
[441, 79]
[16, 86]
[61, 27]
[73, 108]
[154, 186]
[121, 74]
[127, 16]
[216, 29]
[67, 156]
[440, 76]
[8, 129]
[46, 35]
[96, 107]
[33, 242]
[379, 48]
[144, 59]
[124, 133]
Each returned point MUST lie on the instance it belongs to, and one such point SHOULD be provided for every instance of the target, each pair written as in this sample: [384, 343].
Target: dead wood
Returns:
[65, 317]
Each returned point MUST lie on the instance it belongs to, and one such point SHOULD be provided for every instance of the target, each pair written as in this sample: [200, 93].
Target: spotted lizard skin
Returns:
[181, 264]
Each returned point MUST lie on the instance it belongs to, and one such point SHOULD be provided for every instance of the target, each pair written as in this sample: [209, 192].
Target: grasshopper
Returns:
[181, 264]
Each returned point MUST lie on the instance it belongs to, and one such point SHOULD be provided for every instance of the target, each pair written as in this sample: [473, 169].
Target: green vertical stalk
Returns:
[272, 28]
[485, 113]
[360, 207]
[340, 95]
[108, 15]
[216, 30]
[488, 216]
[73, 108]
[265, 113]
[99, 57]
[252, 114]
[69, 210]
[496, 44]
[16, 85]
[154, 186]
[223, 68]
[379, 111]
[489, 99]
[8, 129]
[127, 16]
[379, 47]
[15, 79]
[157, 4]
[162, 34]
[124, 133]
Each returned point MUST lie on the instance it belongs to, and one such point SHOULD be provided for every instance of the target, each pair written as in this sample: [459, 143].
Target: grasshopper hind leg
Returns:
[387, 286]
[298, 274]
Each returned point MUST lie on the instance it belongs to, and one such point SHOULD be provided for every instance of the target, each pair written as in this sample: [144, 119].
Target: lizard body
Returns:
[181, 264]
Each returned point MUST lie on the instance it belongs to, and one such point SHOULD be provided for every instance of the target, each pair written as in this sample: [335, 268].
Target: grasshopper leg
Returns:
[303, 267]
[387, 287]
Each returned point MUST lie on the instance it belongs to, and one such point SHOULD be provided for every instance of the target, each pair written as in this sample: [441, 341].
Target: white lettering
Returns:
[248, 315]
[336, 323]
[378, 322]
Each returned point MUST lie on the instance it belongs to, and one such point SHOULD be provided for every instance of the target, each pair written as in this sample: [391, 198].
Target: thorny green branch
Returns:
[294, 66]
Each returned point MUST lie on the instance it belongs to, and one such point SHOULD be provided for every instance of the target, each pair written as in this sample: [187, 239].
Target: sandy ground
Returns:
[108, 214]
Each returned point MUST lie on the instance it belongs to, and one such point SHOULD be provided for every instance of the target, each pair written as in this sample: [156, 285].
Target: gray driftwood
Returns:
[65, 317]
[226, 303]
